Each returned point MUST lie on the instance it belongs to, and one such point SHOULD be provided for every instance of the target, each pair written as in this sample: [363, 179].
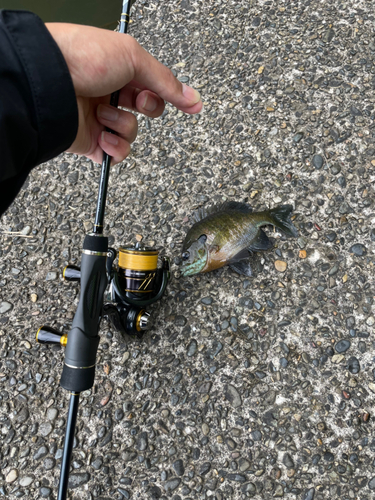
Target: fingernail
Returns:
[150, 103]
[107, 113]
[191, 94]
[110, 138]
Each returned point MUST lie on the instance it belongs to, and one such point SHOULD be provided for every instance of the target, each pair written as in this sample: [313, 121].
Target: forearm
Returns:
[38, 109]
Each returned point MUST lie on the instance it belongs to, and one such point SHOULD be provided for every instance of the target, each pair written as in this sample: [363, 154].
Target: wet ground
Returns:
[255, 387]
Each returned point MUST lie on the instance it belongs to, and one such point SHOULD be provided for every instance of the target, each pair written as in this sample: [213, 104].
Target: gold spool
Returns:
[138, 260]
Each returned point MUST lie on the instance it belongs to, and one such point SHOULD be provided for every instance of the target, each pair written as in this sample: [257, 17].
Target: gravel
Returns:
[257, 387]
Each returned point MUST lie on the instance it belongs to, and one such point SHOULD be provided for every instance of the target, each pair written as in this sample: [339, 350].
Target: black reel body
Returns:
[135, 283]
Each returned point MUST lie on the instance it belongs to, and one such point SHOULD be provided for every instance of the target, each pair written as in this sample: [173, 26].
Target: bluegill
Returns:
[227, 234]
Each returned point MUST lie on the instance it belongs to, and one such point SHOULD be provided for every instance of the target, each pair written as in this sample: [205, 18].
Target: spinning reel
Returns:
[135, 283]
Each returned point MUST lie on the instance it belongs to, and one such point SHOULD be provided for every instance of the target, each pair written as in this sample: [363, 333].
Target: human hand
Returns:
[101, 62]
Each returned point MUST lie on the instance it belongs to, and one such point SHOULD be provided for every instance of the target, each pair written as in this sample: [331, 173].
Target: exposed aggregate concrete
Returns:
[246, 387]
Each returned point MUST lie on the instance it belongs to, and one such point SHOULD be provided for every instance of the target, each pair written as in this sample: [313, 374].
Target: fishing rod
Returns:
[120, 293]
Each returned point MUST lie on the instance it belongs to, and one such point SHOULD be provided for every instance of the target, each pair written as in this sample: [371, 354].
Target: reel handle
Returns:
[48, 335]
[71, 273]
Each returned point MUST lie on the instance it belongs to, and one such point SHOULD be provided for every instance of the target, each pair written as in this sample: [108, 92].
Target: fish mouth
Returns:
[191, 269]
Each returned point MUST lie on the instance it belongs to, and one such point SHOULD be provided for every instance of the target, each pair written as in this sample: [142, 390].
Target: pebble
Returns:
[298, 137]
[288, 461]
[11, 476]
[45, 429]
[179, 468]
[5, 307]
[49, 463]
[52, 414]
[142, 441]
[280, 266]
[249, 489]
[342, 346]
[45, 492]
[22, 415]
[331, 236]
[283, 362]
[335, 169]
[76, 480]
[256, 435]
[204, 468]
[358, 249]
[353, 365]
[180, 320]
[26, 481]
[244, 464]
[279, 491]
[239, 478]
[192, 348]
[172, 484]
[309, 494]
[206, 301]
[337, 358]
[26, 230]
[233, 396]
[317, 161]
[51, 276]
[40, 453]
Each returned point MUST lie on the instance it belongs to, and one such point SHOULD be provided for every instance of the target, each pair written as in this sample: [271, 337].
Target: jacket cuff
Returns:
[51, 86]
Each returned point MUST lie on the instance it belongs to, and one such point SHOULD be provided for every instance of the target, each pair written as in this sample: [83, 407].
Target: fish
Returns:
[228, 234]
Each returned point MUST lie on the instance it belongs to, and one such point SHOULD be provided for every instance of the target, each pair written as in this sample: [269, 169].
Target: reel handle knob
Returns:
[144, 321]
[72, 273]
[48, 335]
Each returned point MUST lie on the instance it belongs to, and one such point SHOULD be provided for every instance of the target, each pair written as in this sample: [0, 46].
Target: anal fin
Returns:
[243, 267]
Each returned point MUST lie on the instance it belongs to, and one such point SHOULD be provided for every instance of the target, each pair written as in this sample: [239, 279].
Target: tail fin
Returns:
[281, 219]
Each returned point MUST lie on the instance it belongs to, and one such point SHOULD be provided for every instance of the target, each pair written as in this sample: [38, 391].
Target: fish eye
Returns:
[185, 255]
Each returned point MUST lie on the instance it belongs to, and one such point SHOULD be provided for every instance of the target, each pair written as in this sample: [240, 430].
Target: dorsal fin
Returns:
[236, 205]
[204, 212]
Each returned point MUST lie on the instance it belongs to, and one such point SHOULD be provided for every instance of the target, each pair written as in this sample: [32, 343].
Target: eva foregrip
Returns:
[83, 339]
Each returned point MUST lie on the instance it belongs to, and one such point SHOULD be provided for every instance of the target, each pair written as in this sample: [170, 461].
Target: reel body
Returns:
[135, 283]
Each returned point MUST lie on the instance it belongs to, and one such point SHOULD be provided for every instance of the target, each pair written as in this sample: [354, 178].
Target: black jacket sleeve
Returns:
[38, 106]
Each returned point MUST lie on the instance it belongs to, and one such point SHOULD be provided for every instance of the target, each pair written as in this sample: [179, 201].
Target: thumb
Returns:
[153, 75]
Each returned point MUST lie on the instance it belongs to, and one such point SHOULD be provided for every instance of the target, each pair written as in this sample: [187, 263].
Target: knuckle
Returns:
[132, 126]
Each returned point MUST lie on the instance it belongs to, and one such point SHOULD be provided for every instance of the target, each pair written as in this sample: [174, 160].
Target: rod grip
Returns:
[83, 339]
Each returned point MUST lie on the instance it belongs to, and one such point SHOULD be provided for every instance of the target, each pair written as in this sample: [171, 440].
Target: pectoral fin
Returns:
[262, 242]
[212, 249]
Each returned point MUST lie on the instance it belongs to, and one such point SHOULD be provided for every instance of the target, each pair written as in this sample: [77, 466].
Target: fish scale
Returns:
[233, 237]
